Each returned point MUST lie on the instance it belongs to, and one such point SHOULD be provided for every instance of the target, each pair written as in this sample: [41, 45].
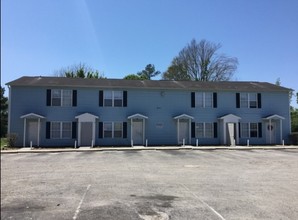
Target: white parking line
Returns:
[212, 209]
[79, 206]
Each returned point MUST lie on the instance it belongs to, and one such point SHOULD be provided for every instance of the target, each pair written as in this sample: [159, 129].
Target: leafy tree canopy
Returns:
[145, 74]
[148, 72]
[4, 112]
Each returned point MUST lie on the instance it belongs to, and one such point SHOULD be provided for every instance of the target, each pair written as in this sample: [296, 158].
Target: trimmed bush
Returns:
[12, 139]
[294, 138]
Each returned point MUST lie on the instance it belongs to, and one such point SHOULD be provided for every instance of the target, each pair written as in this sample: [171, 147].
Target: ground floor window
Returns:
[61, 130]
[204, 130]
[249, 130]
[112, 129]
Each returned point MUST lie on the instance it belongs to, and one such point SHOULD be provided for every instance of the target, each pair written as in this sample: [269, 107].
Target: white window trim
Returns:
[113, 98]
[204, 100]
[249, 129]
[113, 129]
[249, 99]
[61, 130]
[61, 97]
[204, 129]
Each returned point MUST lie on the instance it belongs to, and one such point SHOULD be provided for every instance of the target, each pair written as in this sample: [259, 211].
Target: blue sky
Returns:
[120, 37]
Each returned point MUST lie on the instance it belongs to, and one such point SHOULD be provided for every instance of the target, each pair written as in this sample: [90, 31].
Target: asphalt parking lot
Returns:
[173, 184]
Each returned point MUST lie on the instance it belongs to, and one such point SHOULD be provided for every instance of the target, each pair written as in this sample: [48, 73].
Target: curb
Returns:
[142, 149]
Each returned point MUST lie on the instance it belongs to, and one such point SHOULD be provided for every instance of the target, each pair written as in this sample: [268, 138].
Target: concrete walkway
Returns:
[140, 148]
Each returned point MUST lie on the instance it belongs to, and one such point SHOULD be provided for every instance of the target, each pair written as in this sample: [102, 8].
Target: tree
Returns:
[4, 113]
[294, 119]
[148, 72]
[134, 77]
[278, 82]
[145, 74]
[79, 71]
[201, 62]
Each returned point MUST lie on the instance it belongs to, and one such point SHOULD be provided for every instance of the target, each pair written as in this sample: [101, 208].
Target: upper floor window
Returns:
[61, 97]
[111, 98]
[204, 99]
[248, 100]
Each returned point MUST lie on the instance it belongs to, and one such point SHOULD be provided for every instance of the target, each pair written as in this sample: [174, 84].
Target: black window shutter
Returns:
[74, 97]
[260, 129]
[124, 129]
[74, 130]
[193, 129]
[100, 129]
[259, 100]
[49, 96]
[214, 100]
[124, 98]
[100, 98]
[239, 129]
[237, 100]
[215, 129]
[48, 130]
[193, 99]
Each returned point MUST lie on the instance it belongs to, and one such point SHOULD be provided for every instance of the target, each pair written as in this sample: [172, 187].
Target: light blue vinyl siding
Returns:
[160, 106]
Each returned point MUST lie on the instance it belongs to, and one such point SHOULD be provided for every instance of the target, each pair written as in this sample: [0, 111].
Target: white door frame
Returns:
[184, 117]
[225, 120]
[31, 116]
[274, 118]
[139, 117]
[86, 117]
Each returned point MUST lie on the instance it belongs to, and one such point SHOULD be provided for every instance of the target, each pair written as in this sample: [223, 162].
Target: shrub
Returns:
[12, 139]
[294, 138]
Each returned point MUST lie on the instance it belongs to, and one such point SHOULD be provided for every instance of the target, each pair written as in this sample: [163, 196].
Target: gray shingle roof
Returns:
[148, 84]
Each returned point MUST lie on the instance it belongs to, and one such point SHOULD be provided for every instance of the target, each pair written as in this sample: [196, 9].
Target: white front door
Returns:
[183, 131]
[137, 132]
[271, 133]
[32, 131]
[86, 133]
[231, 134]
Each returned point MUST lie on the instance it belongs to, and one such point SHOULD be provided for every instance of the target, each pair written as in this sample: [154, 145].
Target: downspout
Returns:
[9, 109]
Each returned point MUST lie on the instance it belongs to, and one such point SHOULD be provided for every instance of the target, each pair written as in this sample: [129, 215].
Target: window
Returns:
[66, 130]
[245, 130]
[208, 130]
[118, 96]
[55, 130]
[249, 130]
[244, 100]
[113, 98]
[107, 130]
[208, 99]
[199, 130]
[117, 130]
[253, 100]
[56, 97]
[112, 129]
[61, 130]
[66, 98]
[204, 99]
[204, 130]
[249, 100]
[108, 98]
[253, 130]
[61, 97]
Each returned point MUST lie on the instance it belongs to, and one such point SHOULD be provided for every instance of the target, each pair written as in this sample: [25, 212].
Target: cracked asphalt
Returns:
[173, 184]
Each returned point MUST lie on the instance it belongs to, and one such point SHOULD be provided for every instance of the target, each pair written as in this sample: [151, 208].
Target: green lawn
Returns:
[3, 143]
